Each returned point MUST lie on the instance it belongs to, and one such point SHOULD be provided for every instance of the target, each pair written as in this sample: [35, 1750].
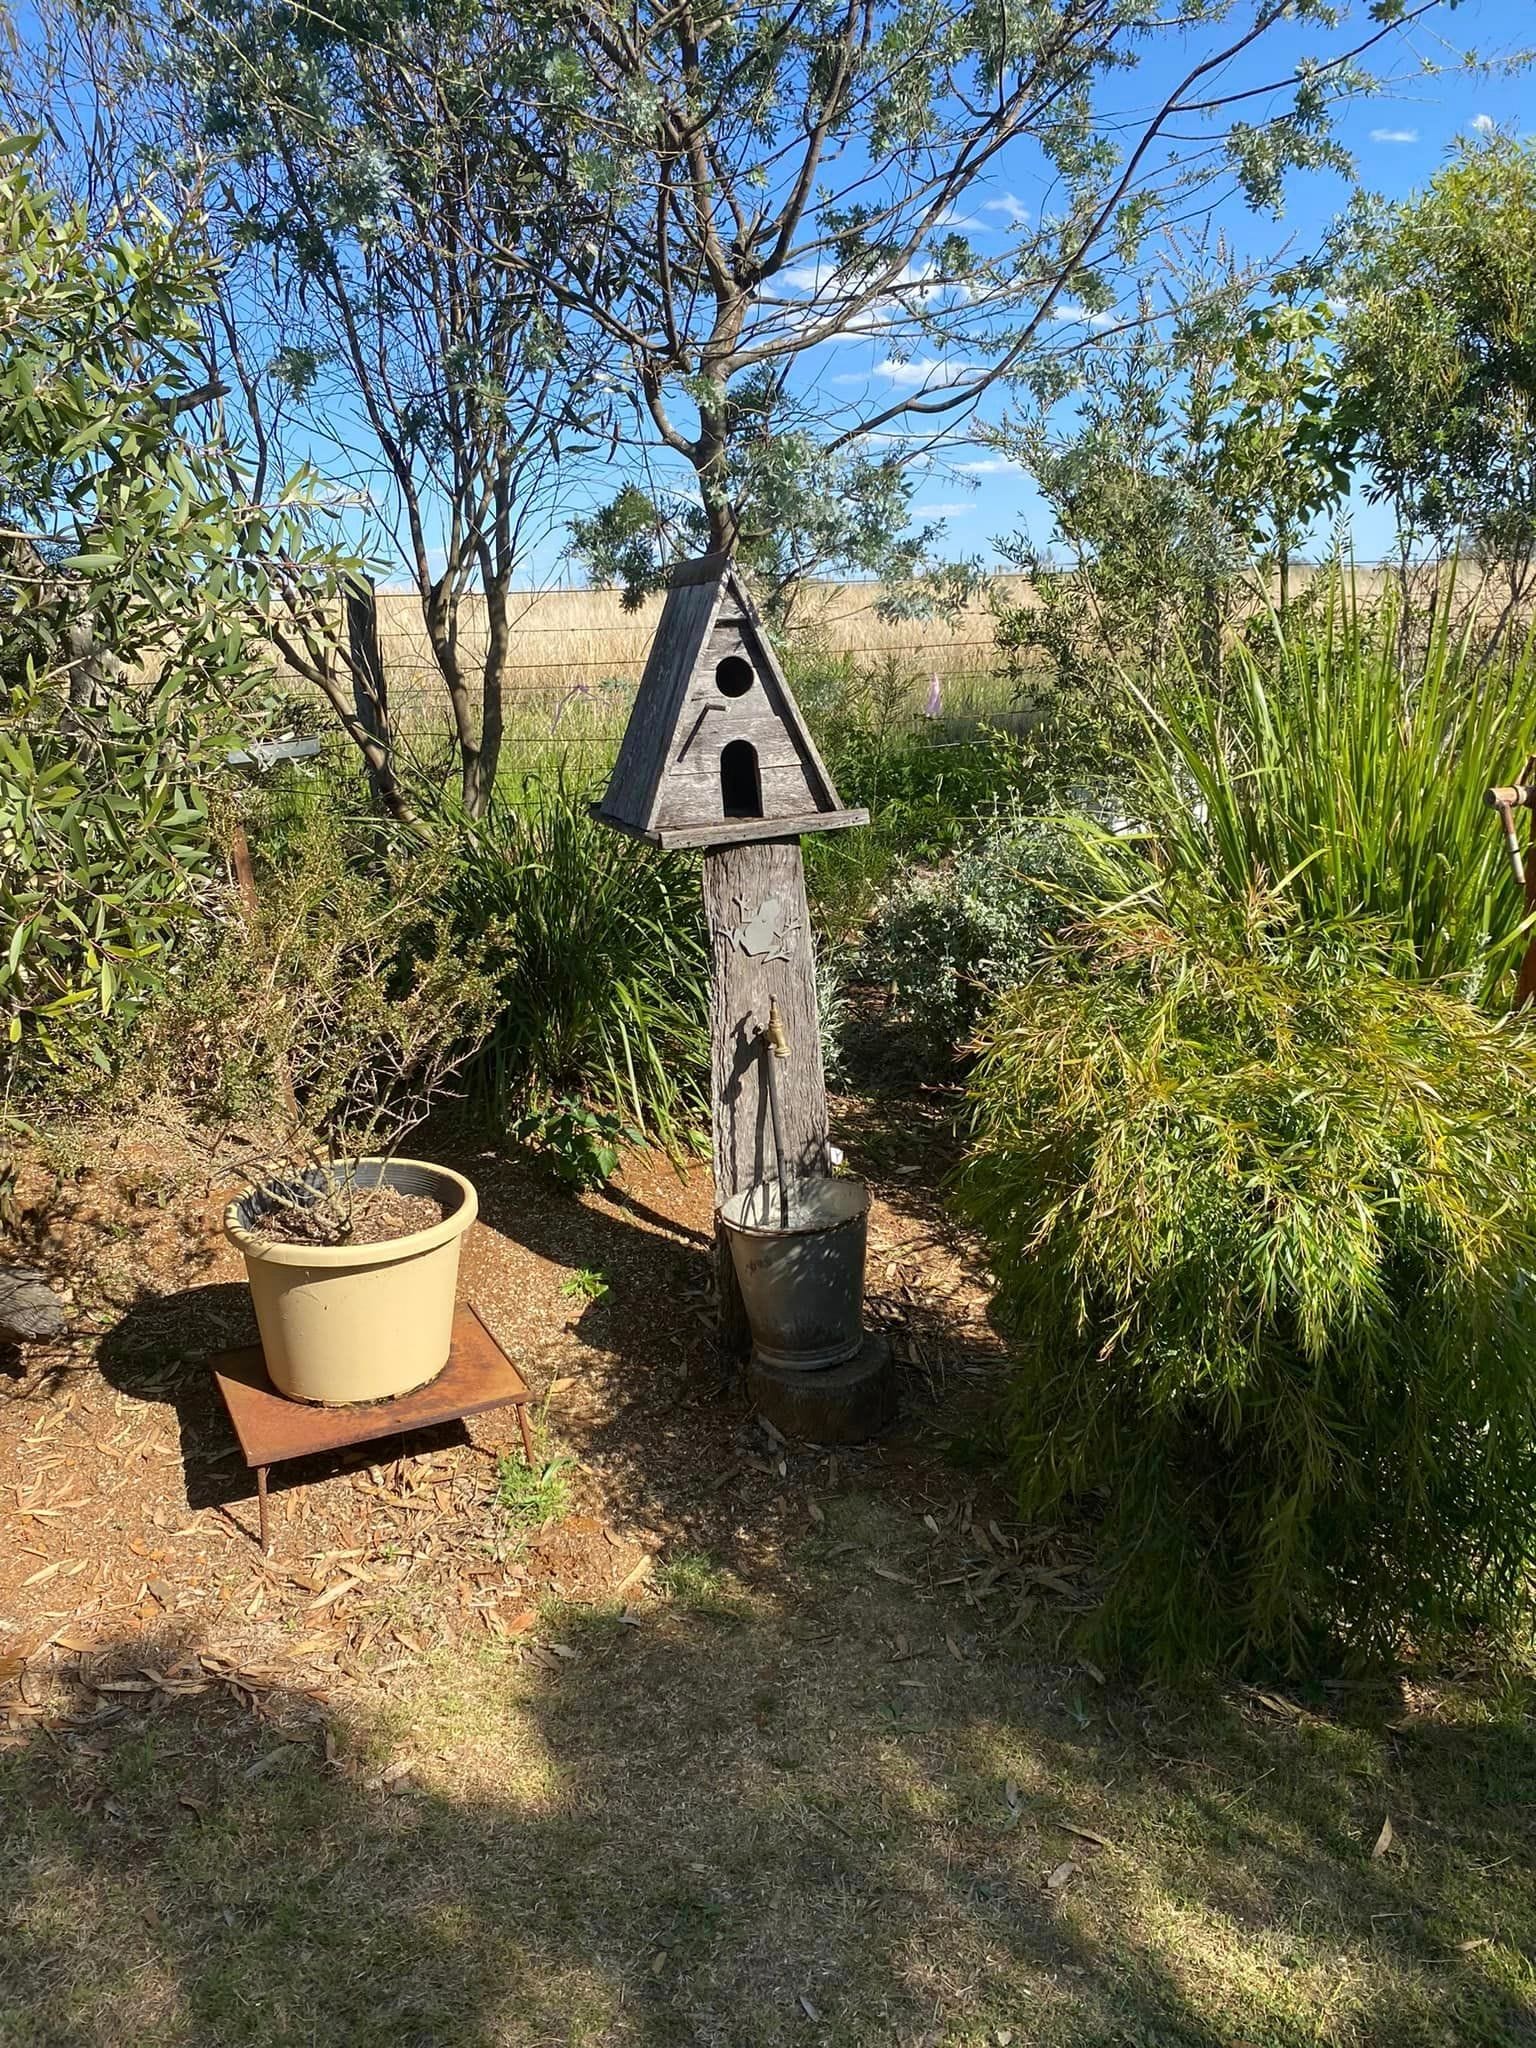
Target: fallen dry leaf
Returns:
[334, 1593]
[1061, 1876]
[1286, 1709]
[1384, 1840]
[1087, 1835]
[263, 1764]
[641, 1571]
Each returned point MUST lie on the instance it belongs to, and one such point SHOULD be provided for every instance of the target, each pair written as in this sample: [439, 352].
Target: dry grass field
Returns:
[564, 637]
[577, 654]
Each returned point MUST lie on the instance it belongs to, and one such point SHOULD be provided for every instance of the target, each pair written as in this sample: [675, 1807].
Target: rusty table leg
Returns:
[477, 1378]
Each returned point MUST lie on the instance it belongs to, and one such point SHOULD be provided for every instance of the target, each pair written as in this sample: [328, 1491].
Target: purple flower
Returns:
[935, 705]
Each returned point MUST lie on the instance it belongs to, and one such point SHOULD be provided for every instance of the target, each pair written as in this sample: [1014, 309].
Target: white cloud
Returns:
[924, 373]
[1069, 310]
[811, 277]
[941, 511]
[1394, 135]
[1014, 212]
[1482, 124]
[986, 465]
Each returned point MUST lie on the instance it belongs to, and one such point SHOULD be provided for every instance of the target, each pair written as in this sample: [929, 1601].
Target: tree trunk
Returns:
[370, 688]
[739, 881]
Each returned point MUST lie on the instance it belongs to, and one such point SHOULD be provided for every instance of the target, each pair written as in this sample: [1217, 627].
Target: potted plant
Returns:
[352, 1251]
[353, 1267]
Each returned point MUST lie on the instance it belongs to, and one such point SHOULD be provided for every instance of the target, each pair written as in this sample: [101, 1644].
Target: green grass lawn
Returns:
[831, 1806]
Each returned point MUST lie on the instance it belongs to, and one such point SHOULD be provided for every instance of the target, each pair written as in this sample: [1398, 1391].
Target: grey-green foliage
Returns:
[1181, 484]
[1142, 551]
[135, 584]
[948, 939]
[725, 222]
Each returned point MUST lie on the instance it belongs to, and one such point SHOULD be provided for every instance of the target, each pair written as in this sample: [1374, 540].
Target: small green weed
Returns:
[587, 1283]
[530, 1495]
[579, 1144]
[691, 1578]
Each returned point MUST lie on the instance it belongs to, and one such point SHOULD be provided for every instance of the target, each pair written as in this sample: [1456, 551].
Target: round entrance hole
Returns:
[734, 676]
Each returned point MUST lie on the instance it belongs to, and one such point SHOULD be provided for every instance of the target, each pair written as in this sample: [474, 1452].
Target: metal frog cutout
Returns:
[767, 933]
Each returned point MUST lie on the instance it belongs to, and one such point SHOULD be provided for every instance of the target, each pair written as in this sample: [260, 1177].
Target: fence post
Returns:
[370, 686]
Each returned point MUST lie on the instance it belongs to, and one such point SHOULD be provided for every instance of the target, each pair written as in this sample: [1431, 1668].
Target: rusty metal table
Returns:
[271, 1429]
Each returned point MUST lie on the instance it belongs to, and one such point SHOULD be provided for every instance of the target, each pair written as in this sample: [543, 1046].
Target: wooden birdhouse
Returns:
[716, 752]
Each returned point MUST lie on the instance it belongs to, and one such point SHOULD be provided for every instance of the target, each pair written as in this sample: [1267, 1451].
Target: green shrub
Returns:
[1263, 1217]
[133, 608]
[597, 951]
[946, 940]
[342, 985]
[1328, 769]
[927, 796]
[1250, 1153]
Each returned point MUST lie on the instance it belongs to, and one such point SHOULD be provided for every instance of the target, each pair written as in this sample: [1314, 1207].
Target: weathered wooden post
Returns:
[717, 755]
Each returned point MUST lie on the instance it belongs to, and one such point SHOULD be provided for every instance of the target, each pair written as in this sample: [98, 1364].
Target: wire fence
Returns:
[575, 659]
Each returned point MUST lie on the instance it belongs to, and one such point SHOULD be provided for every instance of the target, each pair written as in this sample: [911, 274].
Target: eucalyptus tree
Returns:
[382, 164]
[138, 585]
[362, 176]
[1438, 355]
[762, 181]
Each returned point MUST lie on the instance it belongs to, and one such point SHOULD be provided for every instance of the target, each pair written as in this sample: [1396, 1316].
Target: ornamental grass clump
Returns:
[1263, 1215]
[1348, 779]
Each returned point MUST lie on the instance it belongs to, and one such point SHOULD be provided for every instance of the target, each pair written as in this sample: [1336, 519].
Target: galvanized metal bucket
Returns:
[802, 1283]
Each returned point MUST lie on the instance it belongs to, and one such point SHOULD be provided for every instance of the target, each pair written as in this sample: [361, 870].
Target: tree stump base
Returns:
[846, 1404]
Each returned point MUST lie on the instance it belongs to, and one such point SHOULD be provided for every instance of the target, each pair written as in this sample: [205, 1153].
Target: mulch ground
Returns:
[753, 1745]
[128, 1507]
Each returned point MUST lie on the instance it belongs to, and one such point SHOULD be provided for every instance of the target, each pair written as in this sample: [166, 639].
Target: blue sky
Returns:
[1398, 137]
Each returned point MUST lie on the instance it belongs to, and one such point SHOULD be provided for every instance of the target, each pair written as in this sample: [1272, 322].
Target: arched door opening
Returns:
[741, 786]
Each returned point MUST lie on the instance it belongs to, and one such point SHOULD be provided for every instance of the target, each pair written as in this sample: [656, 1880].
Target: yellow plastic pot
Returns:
[358, 1322]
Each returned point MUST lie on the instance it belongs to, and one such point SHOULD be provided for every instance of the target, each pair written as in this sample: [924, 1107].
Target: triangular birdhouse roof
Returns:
[664, 785]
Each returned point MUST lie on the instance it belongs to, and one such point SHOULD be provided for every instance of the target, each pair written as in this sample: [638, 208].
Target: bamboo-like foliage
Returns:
[1263, 1216]
[1331, 771]
[1252, 1152]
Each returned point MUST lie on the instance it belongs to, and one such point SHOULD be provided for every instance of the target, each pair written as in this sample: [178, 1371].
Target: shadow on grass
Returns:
[747, 1835]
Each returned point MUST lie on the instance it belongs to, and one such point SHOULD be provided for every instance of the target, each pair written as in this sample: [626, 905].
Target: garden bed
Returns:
[700, 1737]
